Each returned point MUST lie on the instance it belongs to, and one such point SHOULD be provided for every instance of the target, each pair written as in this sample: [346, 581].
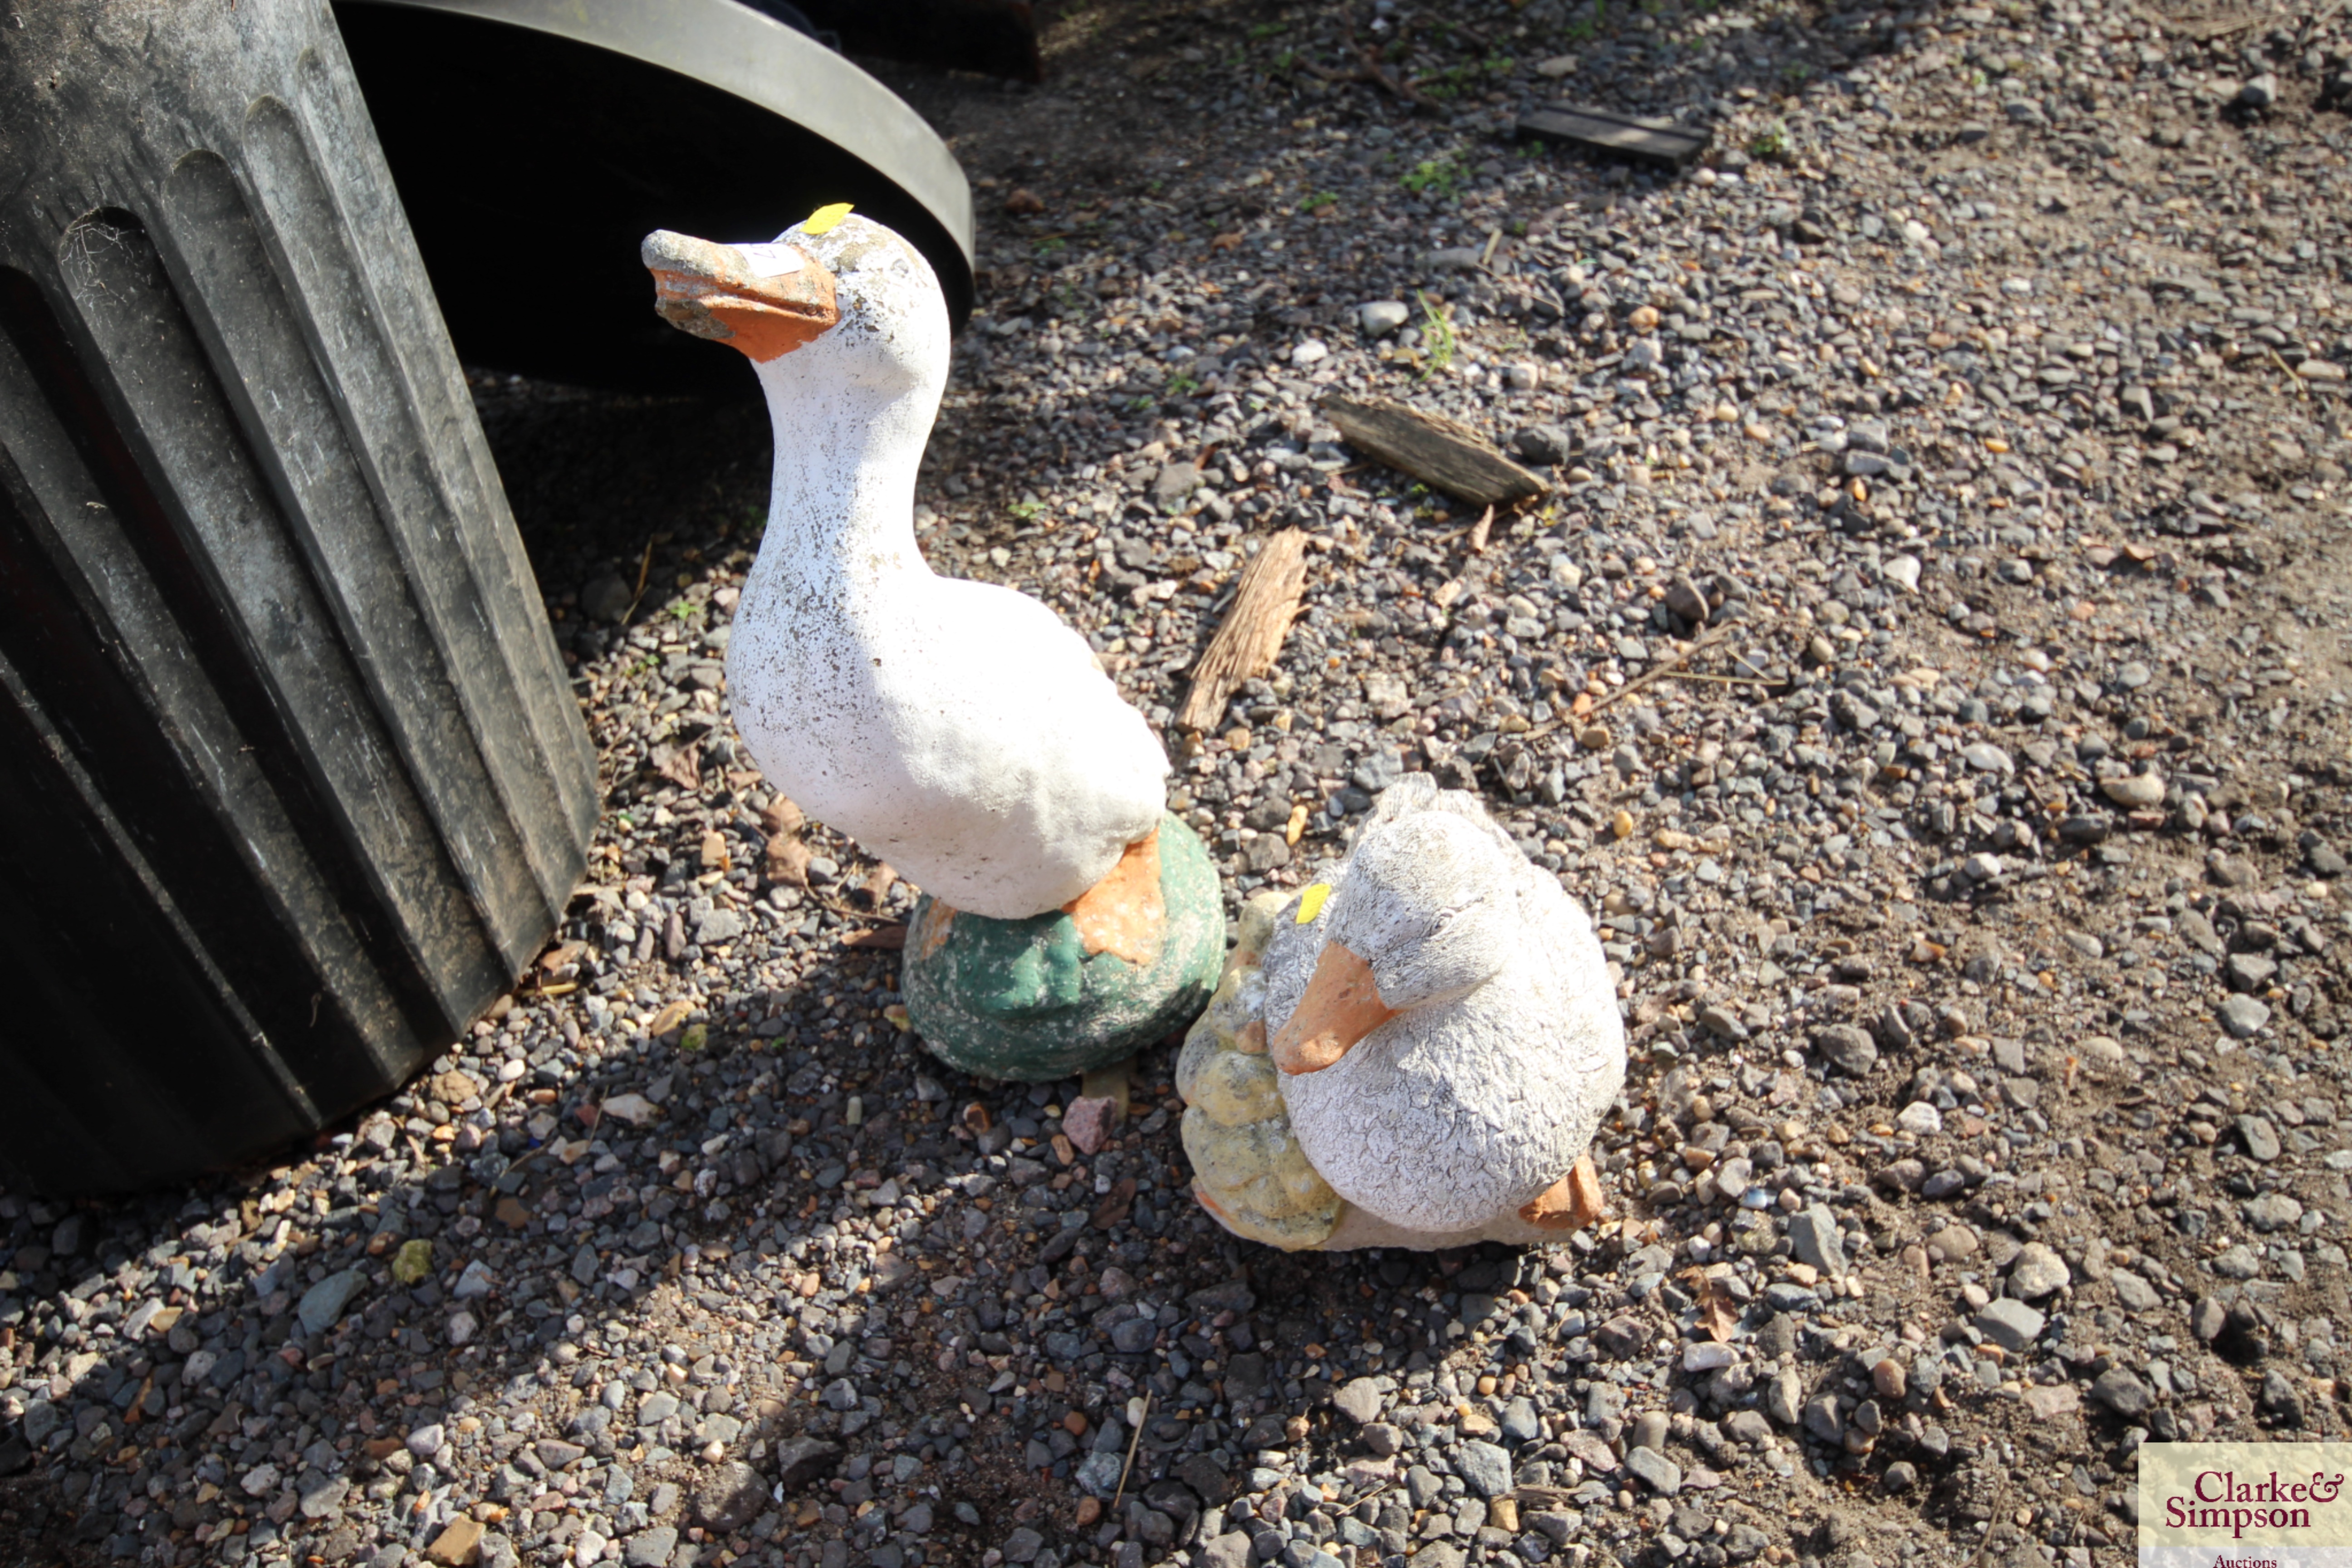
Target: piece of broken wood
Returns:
[1251, 634]
[1479, 530]
[1661, 143]
[1436, 450]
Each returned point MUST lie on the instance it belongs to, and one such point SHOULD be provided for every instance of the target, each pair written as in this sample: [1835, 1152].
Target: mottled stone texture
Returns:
[1024, 999]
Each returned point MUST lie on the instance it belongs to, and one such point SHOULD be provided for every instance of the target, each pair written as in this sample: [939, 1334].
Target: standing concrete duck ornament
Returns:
[1413, 1052]
[958, 730]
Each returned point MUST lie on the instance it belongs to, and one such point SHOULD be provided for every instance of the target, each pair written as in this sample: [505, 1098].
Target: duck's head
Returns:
[1427, 911]
[833, 277]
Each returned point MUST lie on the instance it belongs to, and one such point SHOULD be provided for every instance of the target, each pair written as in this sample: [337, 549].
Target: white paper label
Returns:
[770, 260]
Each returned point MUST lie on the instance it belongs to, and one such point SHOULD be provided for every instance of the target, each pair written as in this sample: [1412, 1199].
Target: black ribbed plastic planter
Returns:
[291, 783]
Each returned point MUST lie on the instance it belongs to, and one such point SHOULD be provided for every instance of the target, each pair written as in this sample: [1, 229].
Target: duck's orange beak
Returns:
[1342, 1005]
[765, 300]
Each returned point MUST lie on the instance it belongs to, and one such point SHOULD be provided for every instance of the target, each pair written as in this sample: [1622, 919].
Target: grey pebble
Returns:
[2122, 1392]
[2259, 1138]
[2010, 1324]
[2037, 1271]
[1846, 1048]
[323, 1304]
[650, 1548]
[2243, 1017]
[1485, 1469]
[1813, 1234]
[1654, 1470]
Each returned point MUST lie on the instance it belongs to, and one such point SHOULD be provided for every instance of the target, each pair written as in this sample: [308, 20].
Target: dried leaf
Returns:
[874, 889]
[454, 1087]
[1718, 1314]
[787, 860]
[679, 764]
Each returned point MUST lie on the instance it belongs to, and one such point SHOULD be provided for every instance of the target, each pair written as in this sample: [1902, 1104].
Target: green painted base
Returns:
[1025, 1000]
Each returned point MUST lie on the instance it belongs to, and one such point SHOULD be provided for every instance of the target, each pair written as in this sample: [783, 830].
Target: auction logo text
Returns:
[2222, 1501]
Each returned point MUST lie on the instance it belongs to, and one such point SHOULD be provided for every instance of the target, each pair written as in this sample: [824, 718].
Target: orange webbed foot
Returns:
[1570, 1203]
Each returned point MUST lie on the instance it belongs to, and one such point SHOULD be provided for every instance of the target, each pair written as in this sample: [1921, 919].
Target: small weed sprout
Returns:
[1437, 331]
[1440, 175]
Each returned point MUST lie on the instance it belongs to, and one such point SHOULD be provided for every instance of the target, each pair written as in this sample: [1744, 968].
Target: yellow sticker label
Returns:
[826, 219]
[1310, 902]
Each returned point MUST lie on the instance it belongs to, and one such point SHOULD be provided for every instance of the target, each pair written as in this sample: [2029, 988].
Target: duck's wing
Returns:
[1020, 658]
[1575, 972]
[1004, 623]
[1016, 672]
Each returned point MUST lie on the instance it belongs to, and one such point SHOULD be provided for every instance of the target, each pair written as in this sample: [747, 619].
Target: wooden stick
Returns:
[2293, 380]
[1251, 634]
[1636, 684]
[644, 571]
[1367, 69]
[1673, 666]
[1651, 676]
[1126, 1469]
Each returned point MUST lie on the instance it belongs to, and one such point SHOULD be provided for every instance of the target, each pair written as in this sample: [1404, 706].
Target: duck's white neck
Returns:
[841, 512]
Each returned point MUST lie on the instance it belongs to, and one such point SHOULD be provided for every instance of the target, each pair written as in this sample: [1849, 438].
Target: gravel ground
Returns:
[1929, 669]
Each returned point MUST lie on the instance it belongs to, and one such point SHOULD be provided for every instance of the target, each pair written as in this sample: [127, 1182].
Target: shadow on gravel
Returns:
[234, 1371]
[229, 1366]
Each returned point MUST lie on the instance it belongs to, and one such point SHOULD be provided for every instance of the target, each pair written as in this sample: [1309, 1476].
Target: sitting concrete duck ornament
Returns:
[958, 730]
[1422, 1054]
